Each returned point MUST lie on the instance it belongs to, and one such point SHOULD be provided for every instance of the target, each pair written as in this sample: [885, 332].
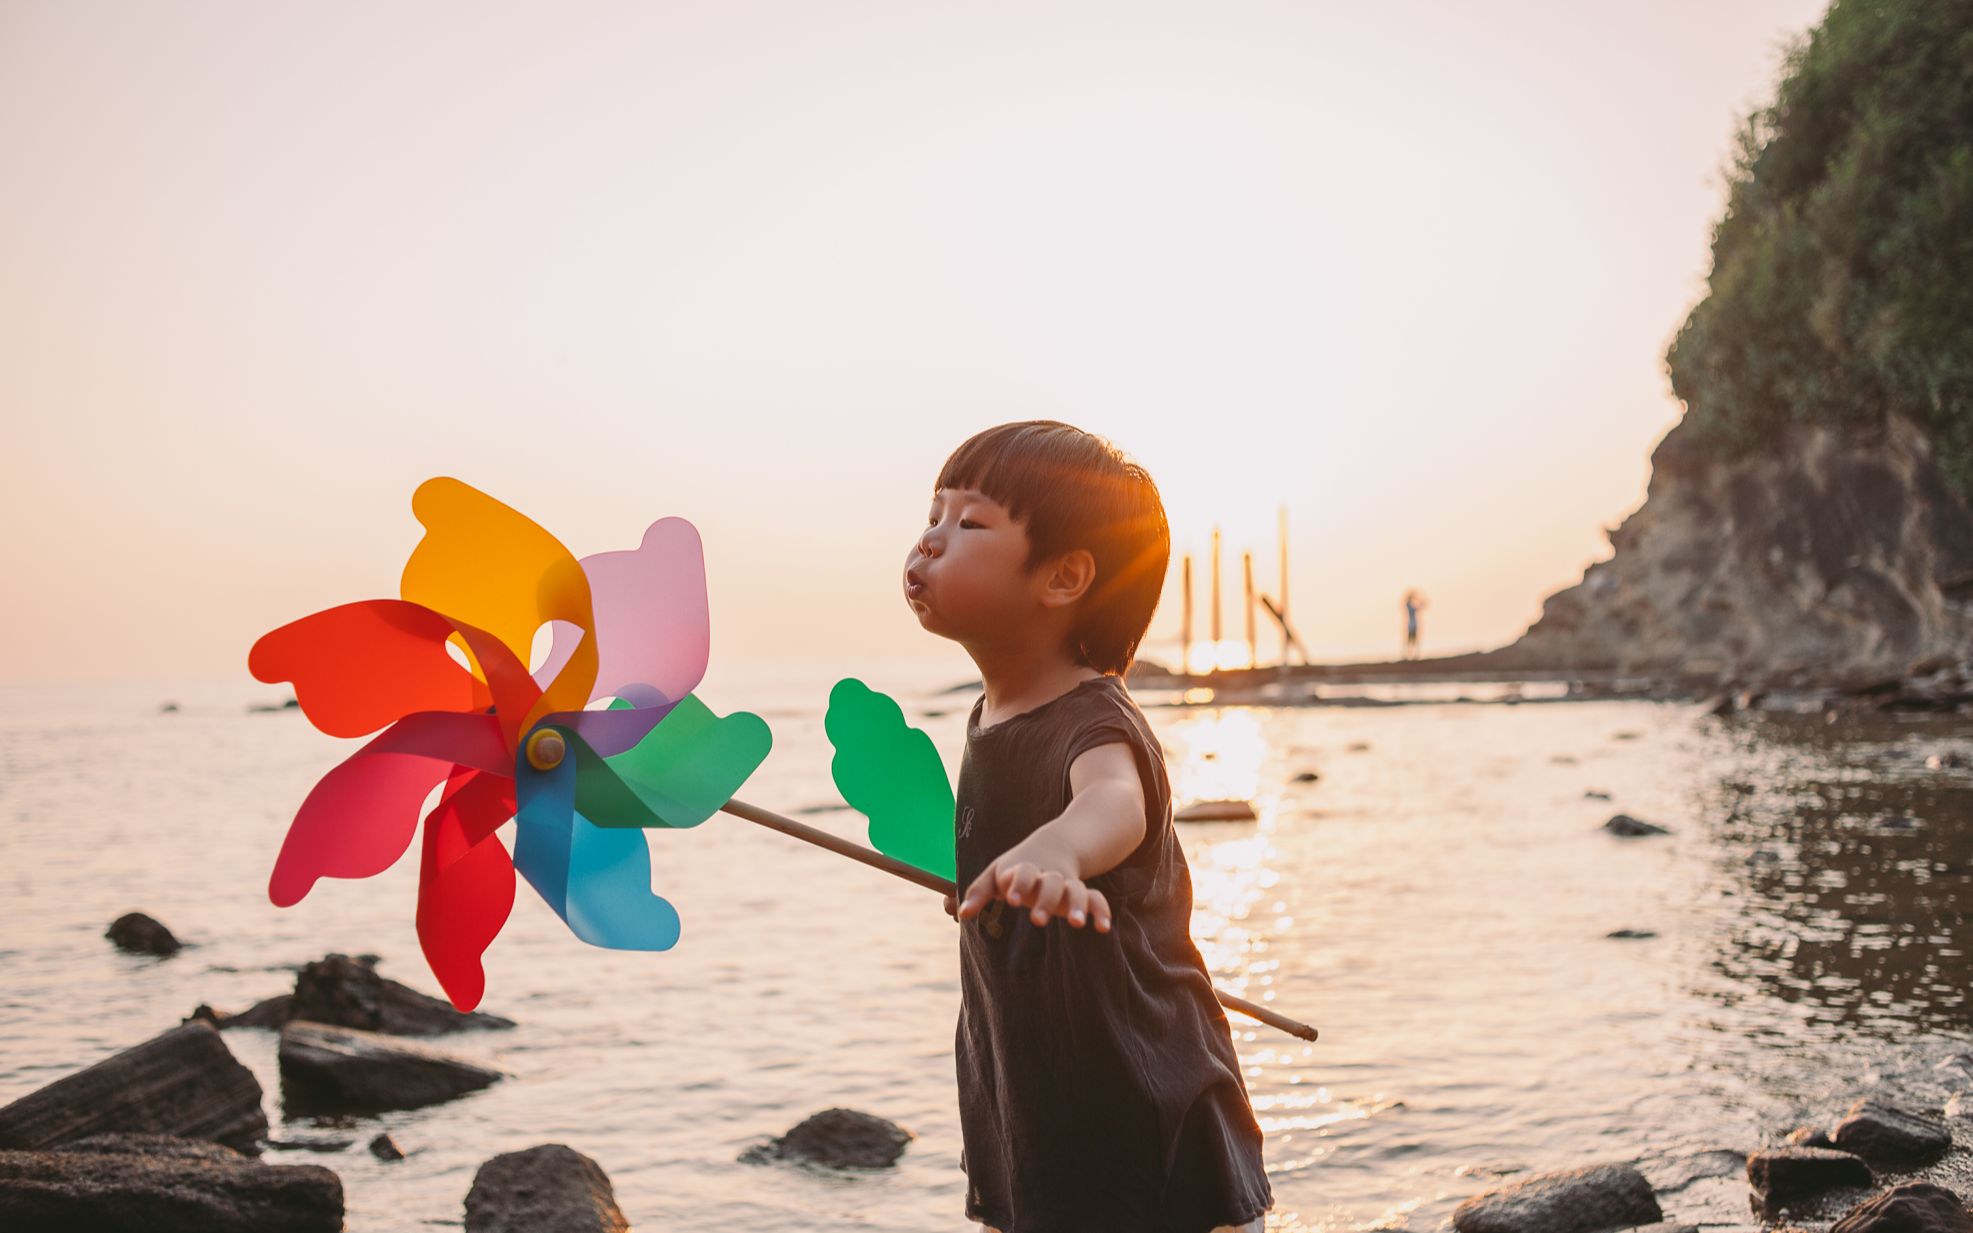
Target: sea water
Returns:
[1438, 902]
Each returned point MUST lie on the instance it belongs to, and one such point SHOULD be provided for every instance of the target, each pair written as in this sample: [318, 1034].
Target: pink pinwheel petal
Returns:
[653, 624]
[465, 884]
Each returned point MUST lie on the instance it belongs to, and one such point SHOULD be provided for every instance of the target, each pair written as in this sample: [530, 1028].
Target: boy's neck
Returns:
[1019, 679]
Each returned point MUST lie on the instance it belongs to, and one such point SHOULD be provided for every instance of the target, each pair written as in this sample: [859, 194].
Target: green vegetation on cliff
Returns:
[1842, 282]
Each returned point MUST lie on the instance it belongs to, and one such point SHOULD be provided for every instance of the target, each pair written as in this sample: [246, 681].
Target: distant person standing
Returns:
[1413, 602]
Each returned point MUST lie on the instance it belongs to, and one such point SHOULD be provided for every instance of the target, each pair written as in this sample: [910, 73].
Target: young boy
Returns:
[1098, 1087]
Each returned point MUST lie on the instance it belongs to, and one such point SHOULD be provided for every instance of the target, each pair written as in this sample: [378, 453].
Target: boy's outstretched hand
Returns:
[1041, 877]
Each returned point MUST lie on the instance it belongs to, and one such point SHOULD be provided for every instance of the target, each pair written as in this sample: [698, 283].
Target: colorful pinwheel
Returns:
[443, 672]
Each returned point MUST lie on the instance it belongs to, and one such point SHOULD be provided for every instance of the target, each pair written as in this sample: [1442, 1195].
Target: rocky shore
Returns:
[168, 1135]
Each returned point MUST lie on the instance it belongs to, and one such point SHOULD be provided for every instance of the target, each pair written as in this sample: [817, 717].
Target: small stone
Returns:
[1882, 1132]
[1307, 777]
[141, 935]
[1783, 1175]
[383, 1147]
[1629, 827]
[837, 1139]
[1595, 1197]
[1632, 933]
[1809, 1136]
[1595, 794]
[550, 1187]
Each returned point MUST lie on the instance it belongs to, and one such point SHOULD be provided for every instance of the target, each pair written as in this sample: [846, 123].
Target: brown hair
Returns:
[1076, 490]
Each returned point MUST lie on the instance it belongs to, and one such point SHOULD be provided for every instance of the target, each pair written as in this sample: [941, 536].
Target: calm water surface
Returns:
[1437, 903]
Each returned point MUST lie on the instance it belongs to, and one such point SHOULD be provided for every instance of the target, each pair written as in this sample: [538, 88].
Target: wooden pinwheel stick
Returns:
[931, 881]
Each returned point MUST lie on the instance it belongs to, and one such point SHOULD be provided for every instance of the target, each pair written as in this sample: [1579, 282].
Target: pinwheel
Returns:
[443, 672]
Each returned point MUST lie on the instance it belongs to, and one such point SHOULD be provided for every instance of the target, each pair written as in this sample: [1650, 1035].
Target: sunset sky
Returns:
[1408, 269]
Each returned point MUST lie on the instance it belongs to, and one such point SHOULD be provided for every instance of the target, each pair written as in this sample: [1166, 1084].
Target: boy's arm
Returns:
[1046, 872]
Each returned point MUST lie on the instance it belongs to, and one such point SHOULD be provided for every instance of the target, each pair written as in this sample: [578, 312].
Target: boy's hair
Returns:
[1076, 490]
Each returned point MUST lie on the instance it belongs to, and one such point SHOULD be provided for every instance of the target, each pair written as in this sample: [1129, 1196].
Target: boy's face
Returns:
[963, 577]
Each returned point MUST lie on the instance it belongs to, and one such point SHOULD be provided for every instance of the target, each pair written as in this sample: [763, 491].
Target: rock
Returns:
[169, 708]
[1663, 1226]
[271, 1013]
[1632, 933]
[837, 1139]
[1915, 1207]
[1899, 822]
[1809, 1136]
[1885, 1134]
[1357, 747]
[1307, 777]
[141, 935]
[383, 1147]
[1595, 794]
[184, 1082]
[1785, 1174]
[336, 1069]
[545, 1189]
[1950, 760]
[347, 992]
[1594, 1197]
[1627, 826]
[161, 1184]
[310, 1145]
[1215, 811]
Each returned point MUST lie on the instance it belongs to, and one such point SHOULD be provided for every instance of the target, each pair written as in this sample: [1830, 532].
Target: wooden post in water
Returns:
[1253, 642]
[1185, 620]
[1282, 538]
[1216, 633]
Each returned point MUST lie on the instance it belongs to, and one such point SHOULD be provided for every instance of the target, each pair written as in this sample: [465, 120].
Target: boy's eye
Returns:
[968, 522]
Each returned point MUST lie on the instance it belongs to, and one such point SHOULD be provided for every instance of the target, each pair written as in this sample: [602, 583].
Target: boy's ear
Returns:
[1065, 580]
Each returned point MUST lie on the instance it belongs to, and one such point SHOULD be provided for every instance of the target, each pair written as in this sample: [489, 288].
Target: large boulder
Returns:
[347, 991]
[184, 1082]
[161, 1184]
[327, 1069]
[546, 1189]
[1583, 1200]
[1883, 1133]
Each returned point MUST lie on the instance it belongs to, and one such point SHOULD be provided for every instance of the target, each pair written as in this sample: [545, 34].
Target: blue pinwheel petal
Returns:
[597, 879]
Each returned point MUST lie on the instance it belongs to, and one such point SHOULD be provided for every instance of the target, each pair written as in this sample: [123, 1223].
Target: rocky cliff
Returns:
[1822, 559]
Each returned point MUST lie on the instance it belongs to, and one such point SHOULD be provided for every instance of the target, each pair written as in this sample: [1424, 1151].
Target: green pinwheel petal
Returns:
[679, 774]
[892, 774]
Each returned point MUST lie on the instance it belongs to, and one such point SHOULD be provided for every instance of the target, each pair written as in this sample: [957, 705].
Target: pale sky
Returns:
[1408, 269]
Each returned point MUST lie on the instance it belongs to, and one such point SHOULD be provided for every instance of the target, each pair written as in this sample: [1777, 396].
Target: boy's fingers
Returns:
[1017, 883]
[951, 906]
[1099, 911]
[1047, 897]
[1075, 899]
[978, 893]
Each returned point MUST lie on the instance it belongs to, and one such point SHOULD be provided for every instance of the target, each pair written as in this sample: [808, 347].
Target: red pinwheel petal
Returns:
[466, 883]
[359, 819]
[357, 667]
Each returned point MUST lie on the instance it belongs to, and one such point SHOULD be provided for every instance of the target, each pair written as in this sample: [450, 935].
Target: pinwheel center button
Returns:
[546, 749]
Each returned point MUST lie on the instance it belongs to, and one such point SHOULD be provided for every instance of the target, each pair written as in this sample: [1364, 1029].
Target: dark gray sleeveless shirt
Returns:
[1098, 1087]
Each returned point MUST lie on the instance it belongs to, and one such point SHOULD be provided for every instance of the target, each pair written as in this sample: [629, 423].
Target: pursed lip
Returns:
[914, 582]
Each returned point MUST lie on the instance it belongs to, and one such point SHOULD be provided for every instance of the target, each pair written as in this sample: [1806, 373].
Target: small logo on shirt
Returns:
[966, 822]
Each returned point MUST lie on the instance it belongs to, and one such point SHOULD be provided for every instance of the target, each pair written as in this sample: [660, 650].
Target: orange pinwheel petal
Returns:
[487, 565]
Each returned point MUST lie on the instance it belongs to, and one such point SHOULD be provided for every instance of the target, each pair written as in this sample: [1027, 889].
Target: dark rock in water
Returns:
[1595, 1197]
[141, 935]
[1624, 824]
[310, 1145]
[383, 1147]
[1664, 1226]
[348, 992]
[1899, 822]
[546, 1189]
[274, 708]
[1885, 1134]
[1307, 777]
[1357, 747]
[1947, 761]
[183, 1083]
[1632, 933]
[837, 1139]
[1915, 1207]
[1595, 794]
[271, 1013]
[1785, 1174]
[1809, 1136]
[326, 1069]
[169, 708]
[161, 1184]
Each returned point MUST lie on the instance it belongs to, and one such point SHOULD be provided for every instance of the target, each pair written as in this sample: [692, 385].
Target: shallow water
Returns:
[1436, 903]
